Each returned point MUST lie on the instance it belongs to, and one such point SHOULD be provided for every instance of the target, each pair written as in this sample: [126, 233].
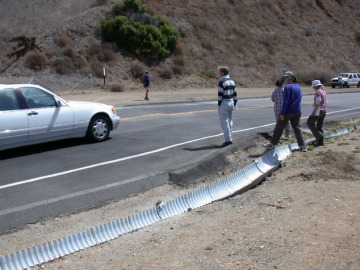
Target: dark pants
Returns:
[316, 123]
[295, 123]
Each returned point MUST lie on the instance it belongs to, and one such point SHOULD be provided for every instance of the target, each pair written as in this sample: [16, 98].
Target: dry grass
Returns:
[64, 65]
[137, 69]
[64, 40]
[118, 87]
[36, 61]
[166, 73]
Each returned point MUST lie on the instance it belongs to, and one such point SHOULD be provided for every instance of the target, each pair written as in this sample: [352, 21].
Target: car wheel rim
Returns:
[100, 128]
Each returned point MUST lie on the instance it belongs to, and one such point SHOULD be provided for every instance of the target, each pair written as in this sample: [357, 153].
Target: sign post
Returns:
[104, 75]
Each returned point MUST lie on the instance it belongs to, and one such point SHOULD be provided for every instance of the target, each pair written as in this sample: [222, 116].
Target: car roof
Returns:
[18, 85]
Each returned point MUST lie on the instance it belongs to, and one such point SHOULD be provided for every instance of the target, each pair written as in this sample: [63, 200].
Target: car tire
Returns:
[345, 85]
[99, 128]
[358, 85]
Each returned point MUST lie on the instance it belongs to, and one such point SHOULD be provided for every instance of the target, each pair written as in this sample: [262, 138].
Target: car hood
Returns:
[87, 103]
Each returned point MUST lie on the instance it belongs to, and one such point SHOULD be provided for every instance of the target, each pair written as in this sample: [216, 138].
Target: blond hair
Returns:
[223, 69]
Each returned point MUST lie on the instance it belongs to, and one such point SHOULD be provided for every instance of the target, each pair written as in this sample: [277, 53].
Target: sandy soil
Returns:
[303, 216]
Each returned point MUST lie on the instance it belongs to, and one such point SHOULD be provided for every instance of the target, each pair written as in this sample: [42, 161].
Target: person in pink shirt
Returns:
[317, 115]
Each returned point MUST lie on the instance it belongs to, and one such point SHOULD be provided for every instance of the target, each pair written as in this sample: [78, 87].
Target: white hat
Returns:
[288, 74]
[316, 83]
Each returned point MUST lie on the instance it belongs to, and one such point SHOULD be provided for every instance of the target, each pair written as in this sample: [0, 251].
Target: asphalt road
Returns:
[61, 177]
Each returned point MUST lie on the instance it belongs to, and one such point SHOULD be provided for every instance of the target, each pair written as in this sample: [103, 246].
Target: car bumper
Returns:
[115, 122]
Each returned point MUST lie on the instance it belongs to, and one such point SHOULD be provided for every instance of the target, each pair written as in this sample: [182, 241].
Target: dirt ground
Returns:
[303, 216]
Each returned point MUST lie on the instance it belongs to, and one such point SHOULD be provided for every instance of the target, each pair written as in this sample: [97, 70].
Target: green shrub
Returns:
[36, 61]
[129, 5]
[152, 40]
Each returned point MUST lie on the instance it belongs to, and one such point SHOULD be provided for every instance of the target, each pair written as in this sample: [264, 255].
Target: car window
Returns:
[345, 75]
[351, 76]
[37, 98]
[8, 100]
[358, 75]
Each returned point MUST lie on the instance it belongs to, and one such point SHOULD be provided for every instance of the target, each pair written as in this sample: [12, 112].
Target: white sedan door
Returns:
[13, 120]
[48, 120]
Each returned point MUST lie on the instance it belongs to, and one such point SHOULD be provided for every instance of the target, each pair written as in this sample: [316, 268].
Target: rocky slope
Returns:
[256, 39]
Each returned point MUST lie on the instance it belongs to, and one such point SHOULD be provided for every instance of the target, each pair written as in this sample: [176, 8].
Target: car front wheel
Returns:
[99, 128]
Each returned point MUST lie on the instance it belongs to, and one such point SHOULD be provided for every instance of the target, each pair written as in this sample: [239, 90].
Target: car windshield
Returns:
[344, 75]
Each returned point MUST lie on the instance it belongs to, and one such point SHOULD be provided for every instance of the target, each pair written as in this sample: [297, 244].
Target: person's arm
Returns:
[220, 93]
[316, 103]
[235, 97]
[273, 95]
[285, 102]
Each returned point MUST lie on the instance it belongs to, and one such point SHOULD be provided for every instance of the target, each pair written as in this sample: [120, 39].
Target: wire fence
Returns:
[86, 82]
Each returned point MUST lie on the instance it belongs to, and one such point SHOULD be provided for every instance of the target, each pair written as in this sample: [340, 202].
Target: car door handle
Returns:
[33, 113]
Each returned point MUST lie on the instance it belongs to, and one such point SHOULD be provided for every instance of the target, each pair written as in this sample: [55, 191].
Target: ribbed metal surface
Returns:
[125, 225]
[252, 172]
[198, 197]
[238, 181]
[266, 162]
[145, 218]
[105, 232]
[285, 150]
[220, 190]
[174, 207]
[27, 258]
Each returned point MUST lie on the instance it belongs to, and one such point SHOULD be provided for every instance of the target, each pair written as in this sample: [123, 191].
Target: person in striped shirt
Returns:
[227, 99]
[277, 97]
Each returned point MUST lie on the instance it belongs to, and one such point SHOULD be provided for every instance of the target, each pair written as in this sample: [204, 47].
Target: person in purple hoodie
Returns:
[291, 111]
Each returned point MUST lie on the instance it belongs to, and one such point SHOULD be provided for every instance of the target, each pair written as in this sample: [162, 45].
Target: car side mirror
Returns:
[58, 103]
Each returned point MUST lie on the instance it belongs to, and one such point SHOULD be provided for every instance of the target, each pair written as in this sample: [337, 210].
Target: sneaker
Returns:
[146, 98]
[269, 146]
[303, 148]
[320, 142]
[226, 143]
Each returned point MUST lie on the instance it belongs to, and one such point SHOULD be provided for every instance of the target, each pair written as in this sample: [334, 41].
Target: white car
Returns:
[30, 114]
[348, 79]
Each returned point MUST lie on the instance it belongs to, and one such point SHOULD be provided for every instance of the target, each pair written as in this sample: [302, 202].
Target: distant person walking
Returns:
[227, 99]
[317, 115]
[290, 111]
[146, 83]
[277, 97]
[340, 78]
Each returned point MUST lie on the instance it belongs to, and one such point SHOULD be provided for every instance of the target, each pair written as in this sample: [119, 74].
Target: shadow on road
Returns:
[209, 147]
[41, 148]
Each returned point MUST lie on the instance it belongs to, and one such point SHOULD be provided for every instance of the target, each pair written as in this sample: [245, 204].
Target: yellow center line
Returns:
[192, 112]
[165, 114]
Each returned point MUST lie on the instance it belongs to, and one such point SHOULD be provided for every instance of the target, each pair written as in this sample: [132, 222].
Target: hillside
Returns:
[256, 39]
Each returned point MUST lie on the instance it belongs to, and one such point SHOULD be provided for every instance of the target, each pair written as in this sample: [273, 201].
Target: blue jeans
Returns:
[226, 113]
